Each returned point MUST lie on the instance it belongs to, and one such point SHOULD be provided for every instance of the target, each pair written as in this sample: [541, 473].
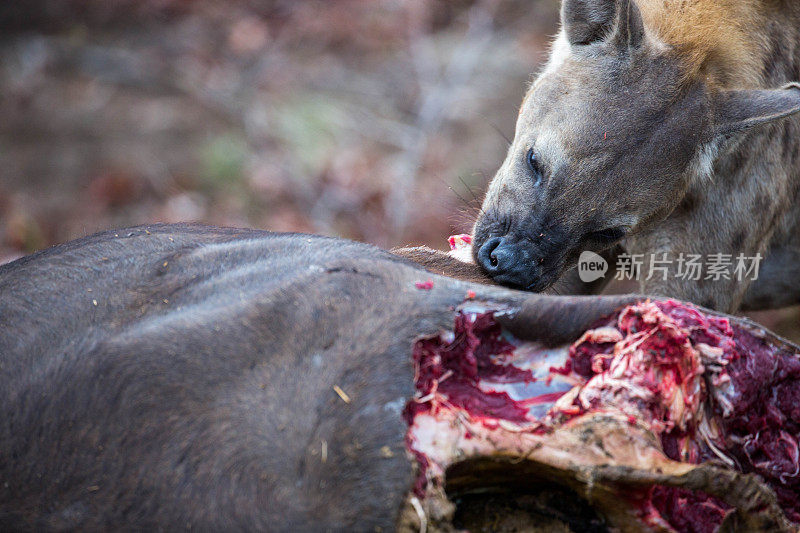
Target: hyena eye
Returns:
[533, 165]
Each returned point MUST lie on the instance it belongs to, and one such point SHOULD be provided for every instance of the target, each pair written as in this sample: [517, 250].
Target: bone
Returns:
[601, 424]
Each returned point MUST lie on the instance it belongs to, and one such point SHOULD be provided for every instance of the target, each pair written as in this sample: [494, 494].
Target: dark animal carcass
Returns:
[176, 377]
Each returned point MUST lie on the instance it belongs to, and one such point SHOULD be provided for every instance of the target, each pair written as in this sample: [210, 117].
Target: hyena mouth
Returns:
[661, 417]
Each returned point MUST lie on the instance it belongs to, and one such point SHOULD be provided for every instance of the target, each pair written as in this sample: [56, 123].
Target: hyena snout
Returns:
[510, 263]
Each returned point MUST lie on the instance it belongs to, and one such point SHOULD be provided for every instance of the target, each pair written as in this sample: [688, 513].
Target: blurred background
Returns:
[375, 120]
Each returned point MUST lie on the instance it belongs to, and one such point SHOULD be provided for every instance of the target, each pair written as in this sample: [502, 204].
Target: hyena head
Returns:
[609, 138]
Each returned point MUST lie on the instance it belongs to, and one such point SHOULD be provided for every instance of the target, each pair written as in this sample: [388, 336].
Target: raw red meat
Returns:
[709, 389]
[424, 285]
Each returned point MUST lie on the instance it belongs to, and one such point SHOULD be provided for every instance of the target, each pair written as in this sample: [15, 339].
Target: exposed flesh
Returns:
[631, 415]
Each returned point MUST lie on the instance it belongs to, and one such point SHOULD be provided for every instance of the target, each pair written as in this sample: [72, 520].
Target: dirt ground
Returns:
[375, 120]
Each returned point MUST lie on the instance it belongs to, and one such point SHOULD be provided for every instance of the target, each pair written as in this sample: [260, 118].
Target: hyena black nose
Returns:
[496, 256]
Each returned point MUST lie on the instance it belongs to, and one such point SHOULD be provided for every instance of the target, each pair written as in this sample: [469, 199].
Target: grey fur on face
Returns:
[627, 138]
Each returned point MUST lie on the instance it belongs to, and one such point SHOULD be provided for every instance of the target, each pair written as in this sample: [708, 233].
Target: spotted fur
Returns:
[670, 123]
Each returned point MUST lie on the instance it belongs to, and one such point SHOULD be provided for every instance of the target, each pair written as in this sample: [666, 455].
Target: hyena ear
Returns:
[589, 21]
[629, 30]
[740, 110]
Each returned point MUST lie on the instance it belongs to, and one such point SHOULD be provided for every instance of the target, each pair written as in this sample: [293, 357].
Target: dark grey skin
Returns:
[198, 391]
[632, 152]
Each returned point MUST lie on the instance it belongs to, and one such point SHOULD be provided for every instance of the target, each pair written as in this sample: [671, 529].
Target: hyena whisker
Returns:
[464, 183]
[500, 132]
[464, 215]
[477, 209]
[466, 203]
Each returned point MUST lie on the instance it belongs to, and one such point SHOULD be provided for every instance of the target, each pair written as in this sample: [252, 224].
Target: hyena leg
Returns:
[777, 283]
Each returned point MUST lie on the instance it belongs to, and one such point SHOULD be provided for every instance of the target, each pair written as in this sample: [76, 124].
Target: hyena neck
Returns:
[736, 44]
[726, 43]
